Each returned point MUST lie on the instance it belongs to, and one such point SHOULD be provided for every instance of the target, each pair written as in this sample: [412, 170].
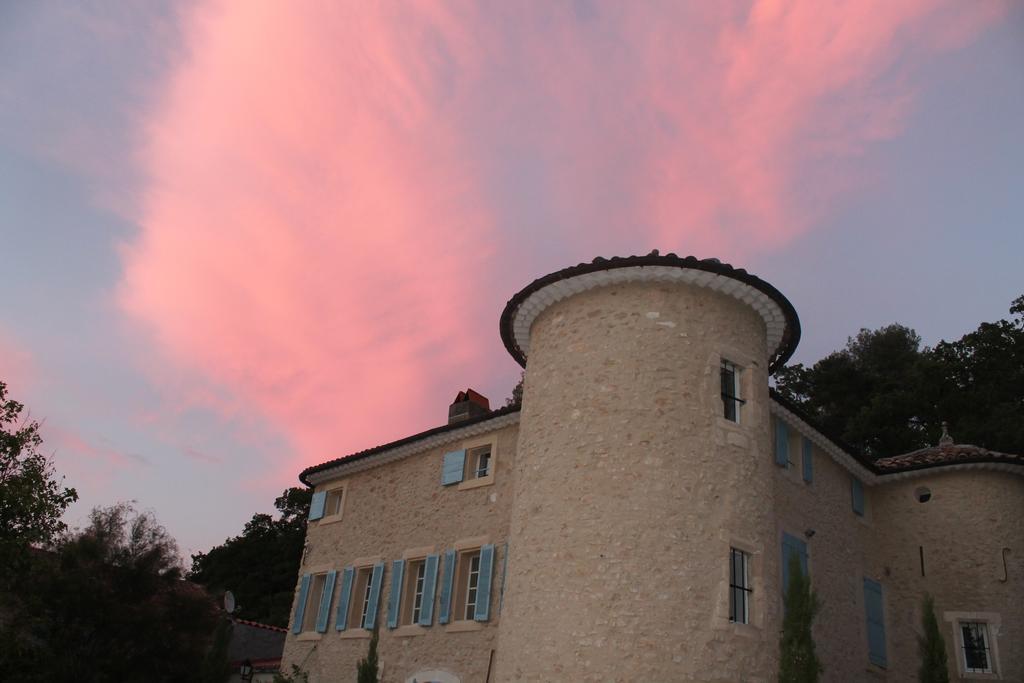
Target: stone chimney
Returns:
[467, 405]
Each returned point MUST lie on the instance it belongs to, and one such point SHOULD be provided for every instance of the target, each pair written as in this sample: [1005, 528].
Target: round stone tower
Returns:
[633, 479]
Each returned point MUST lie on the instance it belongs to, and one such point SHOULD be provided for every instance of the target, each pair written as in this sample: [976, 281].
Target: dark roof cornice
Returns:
[787, 343]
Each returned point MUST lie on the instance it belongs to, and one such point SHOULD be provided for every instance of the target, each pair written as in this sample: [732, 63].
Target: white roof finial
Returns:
[945, 439]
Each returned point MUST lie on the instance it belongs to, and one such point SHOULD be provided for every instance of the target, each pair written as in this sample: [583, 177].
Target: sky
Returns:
[241, 238]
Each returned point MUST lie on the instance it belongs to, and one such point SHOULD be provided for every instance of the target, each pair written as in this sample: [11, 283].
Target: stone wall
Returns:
[387, 511]
[629, 488]
[962, 530]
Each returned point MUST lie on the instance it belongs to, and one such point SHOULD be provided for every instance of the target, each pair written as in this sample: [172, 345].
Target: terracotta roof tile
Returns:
[945, 454]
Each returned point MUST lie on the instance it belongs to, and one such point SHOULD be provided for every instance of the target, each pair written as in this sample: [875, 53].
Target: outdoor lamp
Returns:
[246, 670]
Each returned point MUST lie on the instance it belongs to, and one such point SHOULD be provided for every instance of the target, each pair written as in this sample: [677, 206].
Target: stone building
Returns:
[633, 519]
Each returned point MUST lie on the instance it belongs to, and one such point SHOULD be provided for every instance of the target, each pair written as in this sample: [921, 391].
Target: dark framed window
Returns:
[739, 586]
[731, 399]
[977, 658]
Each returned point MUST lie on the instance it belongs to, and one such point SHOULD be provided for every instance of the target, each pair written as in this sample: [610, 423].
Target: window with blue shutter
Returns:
[300, 604]
[791, 545]
[341, 615]
[316, 506]
[453, 467]
[483, 589]
[429, 588]
[808, 460]
[447, 580]
[374, 598]
[395, 598]
[781, 443]
[325, 602]
[857, 495]
[875, 616]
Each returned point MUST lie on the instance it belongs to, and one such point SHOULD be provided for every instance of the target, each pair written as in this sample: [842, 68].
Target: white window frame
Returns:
[417, 590]
[991, 621]
[472, 585]
[471, 478]
[981, 628]
[340, 493]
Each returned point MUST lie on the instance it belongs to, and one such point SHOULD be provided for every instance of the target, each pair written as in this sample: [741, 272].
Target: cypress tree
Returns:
[366, 668]
[798, 662]
[934, 664]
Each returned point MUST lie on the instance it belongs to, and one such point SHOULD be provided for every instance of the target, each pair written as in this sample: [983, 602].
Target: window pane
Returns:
[975, 647]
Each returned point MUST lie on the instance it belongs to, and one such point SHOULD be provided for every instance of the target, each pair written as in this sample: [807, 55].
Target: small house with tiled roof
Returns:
[633, 519]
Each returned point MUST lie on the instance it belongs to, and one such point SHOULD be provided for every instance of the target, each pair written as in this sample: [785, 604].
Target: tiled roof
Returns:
[779, 356]
[304, 474]
[945, 454]
[255, 641]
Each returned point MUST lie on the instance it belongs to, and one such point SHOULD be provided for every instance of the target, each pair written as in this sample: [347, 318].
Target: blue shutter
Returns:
[504, 573]
[300, 604]
[454, 464]
[876, 621]
[341, 615]
[429, 587]
[447, 578]
[781, 443]
[808, 455]
[371, 609]
[395, 599]
[791, 545]
[325, 602]
[857, 494]
[483, 586]
[316, 506]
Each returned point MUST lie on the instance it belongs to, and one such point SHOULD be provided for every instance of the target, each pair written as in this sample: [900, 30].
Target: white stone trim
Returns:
[535, 304]
[384, 457]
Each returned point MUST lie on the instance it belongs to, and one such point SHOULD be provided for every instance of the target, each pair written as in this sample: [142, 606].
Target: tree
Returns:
[934, 664]
[885, 395]
[798, 662]
[868, 394]
[516, 399]
[32, 500]
[366, 668]
[109, 604]
[261, 565]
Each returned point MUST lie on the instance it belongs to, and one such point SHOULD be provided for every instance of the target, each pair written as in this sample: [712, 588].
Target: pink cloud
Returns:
[325, 228]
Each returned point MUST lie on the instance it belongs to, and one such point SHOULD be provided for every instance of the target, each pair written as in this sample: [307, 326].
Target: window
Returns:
[479, 462]
[469, 583]
[976, 655]
[313, 605]
[333, 504]
[313, 598]
[413, 602]
[739, 586]
[731, 398]
[363, 598]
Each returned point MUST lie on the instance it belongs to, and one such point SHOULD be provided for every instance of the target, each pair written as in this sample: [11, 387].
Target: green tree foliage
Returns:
[32, 501]
[296, 676]
[517, 393]
[367, 667]
[109, 604]
[261, 565]
[798, 661]
[885, 395]
[934, 664]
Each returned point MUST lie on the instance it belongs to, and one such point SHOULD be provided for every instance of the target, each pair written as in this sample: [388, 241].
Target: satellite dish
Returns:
[229, 602]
